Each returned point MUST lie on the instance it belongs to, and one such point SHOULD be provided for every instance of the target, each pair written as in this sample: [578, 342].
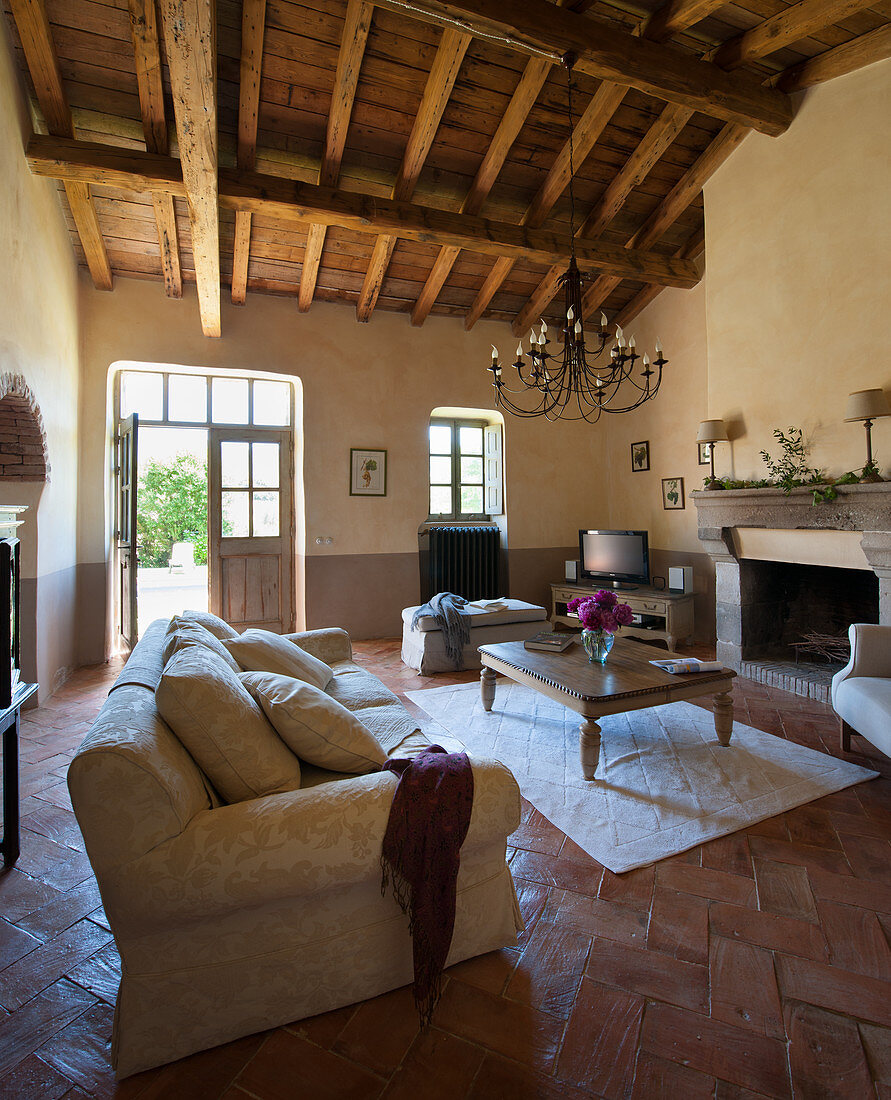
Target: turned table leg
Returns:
[589, 747]
[723, 708]
[487, 687]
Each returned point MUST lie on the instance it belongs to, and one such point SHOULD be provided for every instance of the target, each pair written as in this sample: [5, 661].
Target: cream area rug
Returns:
[663, 784]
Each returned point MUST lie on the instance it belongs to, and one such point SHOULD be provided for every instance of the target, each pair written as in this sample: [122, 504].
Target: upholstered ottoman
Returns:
[424, 647]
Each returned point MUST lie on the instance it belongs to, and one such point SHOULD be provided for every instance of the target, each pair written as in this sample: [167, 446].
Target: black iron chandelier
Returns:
[569, 384]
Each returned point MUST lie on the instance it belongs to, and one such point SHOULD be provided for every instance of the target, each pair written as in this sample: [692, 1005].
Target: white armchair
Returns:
[861, 692]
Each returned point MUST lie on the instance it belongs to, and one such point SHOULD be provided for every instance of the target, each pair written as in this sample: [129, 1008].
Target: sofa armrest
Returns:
[329, 644]
[870, 653]
[284, 846]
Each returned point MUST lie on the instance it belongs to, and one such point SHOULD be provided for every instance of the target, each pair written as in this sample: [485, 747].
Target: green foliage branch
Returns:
[172, 507]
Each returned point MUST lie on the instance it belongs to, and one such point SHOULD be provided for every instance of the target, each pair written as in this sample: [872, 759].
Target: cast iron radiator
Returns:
[462, 560]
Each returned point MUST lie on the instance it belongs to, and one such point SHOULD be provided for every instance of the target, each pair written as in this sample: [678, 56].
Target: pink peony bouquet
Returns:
[602, 611]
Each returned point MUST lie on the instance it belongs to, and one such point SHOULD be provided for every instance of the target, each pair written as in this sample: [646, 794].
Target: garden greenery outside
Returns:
[172, 507]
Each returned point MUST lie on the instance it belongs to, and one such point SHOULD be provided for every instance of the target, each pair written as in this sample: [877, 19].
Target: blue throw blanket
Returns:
[446, 609]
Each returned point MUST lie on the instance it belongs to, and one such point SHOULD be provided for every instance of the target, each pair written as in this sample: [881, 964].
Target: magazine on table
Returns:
[682, 665]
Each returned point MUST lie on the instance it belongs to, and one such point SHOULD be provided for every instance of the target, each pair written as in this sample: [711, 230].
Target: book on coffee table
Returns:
[550, 641]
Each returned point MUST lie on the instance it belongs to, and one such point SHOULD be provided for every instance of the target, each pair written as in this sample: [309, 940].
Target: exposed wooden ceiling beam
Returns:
[443, 74]
[292, 202]
[584, 136]
[521, 103]
[657, 139]
[649, 293]
[253, 27]
[37, 42]
[671, 208]
[602, 51]
[678, 15]
[349, 62]
[190, 37]
[865, 50]
[781, 30]
[147, 52]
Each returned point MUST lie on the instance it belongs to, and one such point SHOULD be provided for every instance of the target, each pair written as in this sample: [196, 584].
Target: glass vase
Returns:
[597, 644]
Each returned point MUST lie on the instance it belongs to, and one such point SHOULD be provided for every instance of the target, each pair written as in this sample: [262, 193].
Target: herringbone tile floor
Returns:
[756, 965]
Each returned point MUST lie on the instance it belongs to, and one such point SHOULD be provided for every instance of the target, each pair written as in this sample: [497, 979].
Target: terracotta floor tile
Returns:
[21, 894]
[596, 917]
[785, 889]
[810, 824]
[57, 824]
[28, 1028]
[100, 974]
[877, 1044]
[380, 1032]
[658, 1079]
[826, 1055]
[837, 990]
[567, 874]
[533, 897]
[802, 855]
[201, 1076]
[550, 969]
[531, 839]
[287, 1066]
[794, 937]
[491, 971]
[717, 1049]
[869, 857]
[854, 822]
[634, 888]
[500, 1079]
[649, 974]
[437, 1067]
[40, 968]
[325, 1028]
[774, 827]
[729, 853]
[81, 1051]
[63, 910]
[744, 988]
[506, 1027]
[14, 943]
[856, 940]
[33, 1079]
[600, 1047]
[706, 883]
[679, 926]
[851, 891]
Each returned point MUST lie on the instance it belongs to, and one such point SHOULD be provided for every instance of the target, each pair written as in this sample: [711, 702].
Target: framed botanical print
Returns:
[672, 492]
[640, 455]
[368, 473]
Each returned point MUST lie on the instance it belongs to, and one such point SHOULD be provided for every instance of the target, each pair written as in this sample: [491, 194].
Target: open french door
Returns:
[251, 527]
[126, 466]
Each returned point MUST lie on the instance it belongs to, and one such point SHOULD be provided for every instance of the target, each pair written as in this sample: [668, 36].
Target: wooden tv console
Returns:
[672, 612]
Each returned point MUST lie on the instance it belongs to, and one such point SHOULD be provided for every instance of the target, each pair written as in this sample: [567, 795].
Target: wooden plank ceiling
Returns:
[411, 155]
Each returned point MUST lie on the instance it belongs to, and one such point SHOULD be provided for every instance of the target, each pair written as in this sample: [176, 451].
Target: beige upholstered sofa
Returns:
[861, 692]
[235, 918]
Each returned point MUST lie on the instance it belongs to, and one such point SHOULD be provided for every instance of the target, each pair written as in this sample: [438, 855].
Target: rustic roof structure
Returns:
[411, 155]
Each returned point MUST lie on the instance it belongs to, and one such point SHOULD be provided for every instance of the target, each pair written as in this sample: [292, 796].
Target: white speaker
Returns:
[571, 570]
[680, 578]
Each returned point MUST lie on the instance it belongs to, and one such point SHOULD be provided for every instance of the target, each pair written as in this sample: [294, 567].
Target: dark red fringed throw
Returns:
[421, 855]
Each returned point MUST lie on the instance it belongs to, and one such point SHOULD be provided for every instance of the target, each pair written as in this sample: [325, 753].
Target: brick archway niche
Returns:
[24, 472]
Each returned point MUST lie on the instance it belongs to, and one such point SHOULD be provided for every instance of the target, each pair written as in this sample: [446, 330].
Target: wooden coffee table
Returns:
[626, 682]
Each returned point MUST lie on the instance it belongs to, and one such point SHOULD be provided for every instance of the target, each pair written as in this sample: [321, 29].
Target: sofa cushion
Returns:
[182, 632]
[313, 725]
[356, 688]
[262, 651]
[390, 724]
[213, 715]
[217, 626]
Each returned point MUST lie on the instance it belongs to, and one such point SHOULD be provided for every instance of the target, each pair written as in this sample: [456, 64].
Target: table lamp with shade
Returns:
[712, 432]
[867, 405]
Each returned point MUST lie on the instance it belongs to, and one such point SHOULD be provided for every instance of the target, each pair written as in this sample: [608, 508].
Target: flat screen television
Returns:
[617, 558]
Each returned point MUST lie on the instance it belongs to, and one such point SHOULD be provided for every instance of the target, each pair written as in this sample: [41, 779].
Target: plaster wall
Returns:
[799, 278]
[39, 340]
[363, 385]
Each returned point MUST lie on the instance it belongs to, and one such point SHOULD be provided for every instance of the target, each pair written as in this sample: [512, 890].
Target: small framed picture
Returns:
[368, 473]
[640, 455]
[672, 492]
[705, 453]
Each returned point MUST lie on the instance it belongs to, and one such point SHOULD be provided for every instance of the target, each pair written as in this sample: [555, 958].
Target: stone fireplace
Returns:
[785, 567]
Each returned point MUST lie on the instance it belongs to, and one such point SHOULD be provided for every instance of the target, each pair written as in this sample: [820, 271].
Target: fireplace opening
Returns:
[782, 603]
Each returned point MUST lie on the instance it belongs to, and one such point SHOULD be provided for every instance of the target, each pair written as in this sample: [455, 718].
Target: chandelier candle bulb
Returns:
[631, 343]
[494, 354]
[570, 314]
[603, 321]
